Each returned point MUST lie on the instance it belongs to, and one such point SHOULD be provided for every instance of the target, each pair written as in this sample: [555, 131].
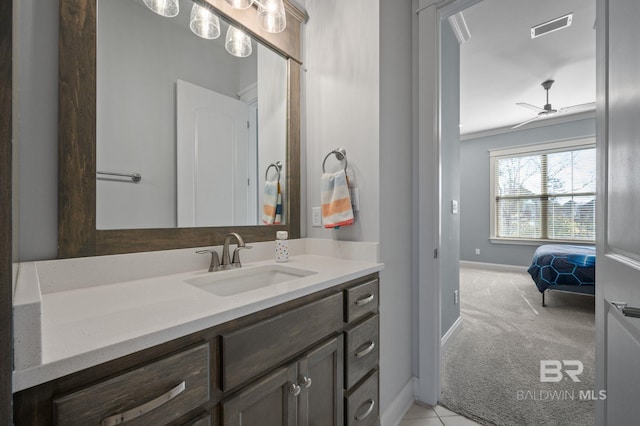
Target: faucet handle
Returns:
[215, 260]
[236, 255]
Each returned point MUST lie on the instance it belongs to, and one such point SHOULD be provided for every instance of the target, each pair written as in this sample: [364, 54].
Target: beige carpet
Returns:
[491, 370]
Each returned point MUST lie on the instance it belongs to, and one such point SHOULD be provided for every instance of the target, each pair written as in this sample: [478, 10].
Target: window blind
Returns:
[546, 194]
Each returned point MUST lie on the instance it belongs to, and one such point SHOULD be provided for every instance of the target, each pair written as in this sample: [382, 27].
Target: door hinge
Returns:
[435, 253]
[248, 125]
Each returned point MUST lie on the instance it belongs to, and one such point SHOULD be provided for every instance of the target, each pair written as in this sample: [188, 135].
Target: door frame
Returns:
[427, 172]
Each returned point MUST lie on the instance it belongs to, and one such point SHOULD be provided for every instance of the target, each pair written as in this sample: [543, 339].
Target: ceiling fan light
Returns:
[237, 42]
[204, 23]
[240, 4]
[167, 8]
[272, 16]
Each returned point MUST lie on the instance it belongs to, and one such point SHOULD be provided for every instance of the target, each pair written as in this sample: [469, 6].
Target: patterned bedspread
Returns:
[565, 267]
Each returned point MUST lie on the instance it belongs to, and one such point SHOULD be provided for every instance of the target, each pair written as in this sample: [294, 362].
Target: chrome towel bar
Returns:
[277, 165]
[135, 177]
[341, 154]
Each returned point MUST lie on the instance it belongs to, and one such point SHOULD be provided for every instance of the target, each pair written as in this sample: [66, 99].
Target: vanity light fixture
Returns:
[204, 23]
[237, 42]
[167, 8]
[271, 13]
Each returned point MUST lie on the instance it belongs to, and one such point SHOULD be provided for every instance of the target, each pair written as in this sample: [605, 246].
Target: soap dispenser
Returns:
[282, 246]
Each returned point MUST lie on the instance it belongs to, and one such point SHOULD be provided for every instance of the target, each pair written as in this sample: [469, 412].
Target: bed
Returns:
[568, 268]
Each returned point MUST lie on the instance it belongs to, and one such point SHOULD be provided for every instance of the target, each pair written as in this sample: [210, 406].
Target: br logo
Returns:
[552, 370]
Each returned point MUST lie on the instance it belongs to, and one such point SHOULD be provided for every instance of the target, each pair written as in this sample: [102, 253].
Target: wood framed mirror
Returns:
[77, 232]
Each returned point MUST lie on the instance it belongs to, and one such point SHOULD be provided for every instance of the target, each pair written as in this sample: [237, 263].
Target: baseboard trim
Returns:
[492, 266]
[400, 405]
[447, 338]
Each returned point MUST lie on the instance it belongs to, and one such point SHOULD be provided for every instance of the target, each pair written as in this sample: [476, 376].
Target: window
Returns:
[545, 192]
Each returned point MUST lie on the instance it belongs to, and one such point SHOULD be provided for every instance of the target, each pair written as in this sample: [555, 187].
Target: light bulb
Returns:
[204, 23]
[237, 42]
[272, 16]
[240, 4]
[168, 8]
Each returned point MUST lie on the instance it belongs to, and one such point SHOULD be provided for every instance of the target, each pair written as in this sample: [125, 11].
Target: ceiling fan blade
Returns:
[526, 122]
[590, 106]
[531, 107]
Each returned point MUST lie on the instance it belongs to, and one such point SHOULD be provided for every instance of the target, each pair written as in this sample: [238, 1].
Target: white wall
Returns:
[342, 58]
[358, 95]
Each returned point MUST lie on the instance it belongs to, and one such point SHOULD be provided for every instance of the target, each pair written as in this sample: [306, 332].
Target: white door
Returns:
[213, 151]
[618, 257]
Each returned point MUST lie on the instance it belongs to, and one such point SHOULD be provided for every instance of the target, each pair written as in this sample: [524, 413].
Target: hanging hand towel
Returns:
[335, 199]
[272, 207]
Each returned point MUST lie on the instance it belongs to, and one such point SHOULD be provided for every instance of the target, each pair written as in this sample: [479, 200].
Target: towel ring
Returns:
[341, 154]
[277, 165]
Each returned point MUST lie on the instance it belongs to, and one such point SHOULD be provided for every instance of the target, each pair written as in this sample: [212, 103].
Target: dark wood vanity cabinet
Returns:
[309, 362]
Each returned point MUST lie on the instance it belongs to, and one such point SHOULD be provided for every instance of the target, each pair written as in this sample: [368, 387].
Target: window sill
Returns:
[536, 242]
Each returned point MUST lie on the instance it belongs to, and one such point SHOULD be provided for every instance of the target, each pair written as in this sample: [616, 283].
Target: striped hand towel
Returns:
[335, 199]
[272, 206]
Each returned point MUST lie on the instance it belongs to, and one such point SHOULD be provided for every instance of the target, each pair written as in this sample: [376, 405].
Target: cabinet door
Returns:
[321, 378]
[269, 402]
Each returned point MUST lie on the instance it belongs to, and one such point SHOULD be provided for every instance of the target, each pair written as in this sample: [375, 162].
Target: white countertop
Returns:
[86, 326]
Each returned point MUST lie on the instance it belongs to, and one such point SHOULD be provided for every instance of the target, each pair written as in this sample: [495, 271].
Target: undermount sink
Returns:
[232, 282]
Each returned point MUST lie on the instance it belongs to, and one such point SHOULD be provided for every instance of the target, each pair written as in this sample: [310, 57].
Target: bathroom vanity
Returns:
[300, 352]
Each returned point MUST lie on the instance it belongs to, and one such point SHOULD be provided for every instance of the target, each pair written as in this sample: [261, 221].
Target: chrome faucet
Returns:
[227, 262]
[215, 260]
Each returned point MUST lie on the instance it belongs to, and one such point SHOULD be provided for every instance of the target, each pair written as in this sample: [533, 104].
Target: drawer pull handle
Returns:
[364, 415]
[294, 389]
[366, 350]
[144, 408]
[306, 382]
[365, 300]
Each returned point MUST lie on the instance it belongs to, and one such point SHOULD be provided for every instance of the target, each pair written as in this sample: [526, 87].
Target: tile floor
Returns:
[423, 415]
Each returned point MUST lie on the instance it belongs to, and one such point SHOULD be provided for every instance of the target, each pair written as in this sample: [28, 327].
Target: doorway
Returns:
[433, 275]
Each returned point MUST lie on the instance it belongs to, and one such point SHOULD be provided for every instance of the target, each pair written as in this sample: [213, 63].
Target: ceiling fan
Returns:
[548, 110]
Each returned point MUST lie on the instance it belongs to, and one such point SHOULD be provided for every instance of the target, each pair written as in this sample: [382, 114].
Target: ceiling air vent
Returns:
[551, 26]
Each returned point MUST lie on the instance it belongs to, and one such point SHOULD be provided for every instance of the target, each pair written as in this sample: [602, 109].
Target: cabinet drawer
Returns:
[362, 405]
[202, 421]
[154, 394]
[250, 351]
[362, 350]
[361, 300]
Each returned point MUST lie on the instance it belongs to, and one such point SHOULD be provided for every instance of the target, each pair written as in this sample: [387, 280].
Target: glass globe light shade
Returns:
[240, 4]
[237, 42]
[204, 23]
[271, 16]
[168, 8]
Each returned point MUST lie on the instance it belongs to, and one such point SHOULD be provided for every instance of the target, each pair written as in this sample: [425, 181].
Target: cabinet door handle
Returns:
[364, 415]
[364, 300]
[294, 389]
[144, 408]
[366, 350]
[306, 382]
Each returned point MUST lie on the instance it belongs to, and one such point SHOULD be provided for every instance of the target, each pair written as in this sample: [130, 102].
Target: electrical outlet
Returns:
[454, 207]
[316, 217]
[456, 299]
[477, 251]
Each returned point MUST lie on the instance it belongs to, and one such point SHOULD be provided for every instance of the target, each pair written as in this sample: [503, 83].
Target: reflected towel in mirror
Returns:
[272, 207]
